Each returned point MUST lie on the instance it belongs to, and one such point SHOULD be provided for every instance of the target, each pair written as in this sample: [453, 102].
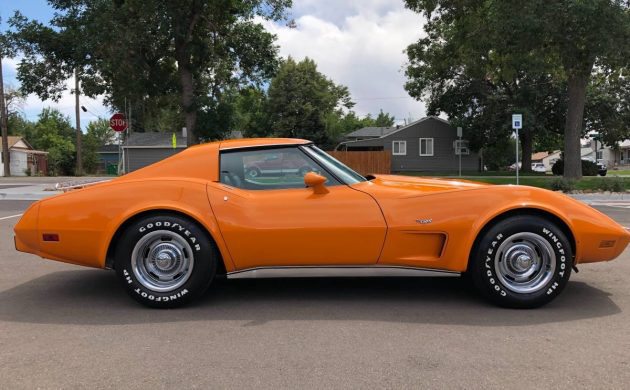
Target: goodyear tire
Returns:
[521, 262]
[165, 261]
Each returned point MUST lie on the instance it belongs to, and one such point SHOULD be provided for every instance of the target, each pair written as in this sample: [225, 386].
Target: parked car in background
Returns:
[539, 167]
[602, 169]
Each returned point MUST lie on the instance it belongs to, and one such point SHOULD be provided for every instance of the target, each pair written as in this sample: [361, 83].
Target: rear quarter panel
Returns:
[87, 219]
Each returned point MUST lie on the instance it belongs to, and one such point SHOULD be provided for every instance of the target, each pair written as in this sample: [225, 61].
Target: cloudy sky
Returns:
[357, 43]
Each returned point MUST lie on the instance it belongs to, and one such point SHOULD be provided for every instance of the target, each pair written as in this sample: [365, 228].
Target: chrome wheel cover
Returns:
[162, 261]
[525, 262]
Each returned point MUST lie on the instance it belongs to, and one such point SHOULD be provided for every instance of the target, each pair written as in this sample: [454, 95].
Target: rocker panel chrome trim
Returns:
[336, 272]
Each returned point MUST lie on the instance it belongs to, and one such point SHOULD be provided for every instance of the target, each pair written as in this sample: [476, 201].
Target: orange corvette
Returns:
[169, 229]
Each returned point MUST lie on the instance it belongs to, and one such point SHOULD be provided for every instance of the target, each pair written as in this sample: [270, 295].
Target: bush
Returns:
[563, 185]
[612, 185]
[589, 168]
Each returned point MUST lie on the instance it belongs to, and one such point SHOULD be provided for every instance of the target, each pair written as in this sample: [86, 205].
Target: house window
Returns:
[426, 146]
[461, 147]
[600, 154]
[399, 148]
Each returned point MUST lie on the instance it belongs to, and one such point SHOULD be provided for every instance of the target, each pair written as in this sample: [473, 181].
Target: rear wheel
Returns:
[522, 262]
[165, 261]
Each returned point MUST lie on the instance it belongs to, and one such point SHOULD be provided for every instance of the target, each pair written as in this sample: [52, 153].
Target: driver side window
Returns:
[269, 169]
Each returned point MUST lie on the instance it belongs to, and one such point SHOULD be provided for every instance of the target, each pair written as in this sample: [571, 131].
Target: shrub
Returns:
[589, 168]
[563, 185]
[612, 185]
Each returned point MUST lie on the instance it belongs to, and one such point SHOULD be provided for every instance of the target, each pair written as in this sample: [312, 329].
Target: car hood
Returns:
[415, 185]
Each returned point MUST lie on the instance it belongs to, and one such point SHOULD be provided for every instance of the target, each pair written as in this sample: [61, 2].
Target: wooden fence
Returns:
[366, 162]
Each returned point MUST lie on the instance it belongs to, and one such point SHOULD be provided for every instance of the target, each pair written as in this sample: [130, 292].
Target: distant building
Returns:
[142, 149]
[428, 144]
[25, 160]
[108, 155]
[546, 158]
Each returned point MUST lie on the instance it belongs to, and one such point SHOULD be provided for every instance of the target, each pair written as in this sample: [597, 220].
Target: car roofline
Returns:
[264, 145]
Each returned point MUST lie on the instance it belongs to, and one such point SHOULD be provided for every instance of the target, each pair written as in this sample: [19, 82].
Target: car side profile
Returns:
[170, 228]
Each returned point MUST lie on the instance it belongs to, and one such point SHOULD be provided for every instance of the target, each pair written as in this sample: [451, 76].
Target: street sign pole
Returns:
[459, 149]
[516, 156]
[517, 123]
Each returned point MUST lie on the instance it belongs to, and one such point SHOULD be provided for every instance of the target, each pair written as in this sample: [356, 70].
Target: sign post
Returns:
[118, 123]
[459, 149]
[517, 123]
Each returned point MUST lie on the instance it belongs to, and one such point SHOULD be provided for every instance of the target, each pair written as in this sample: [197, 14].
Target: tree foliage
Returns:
[301, 99]
[481, 61]
[144, 50]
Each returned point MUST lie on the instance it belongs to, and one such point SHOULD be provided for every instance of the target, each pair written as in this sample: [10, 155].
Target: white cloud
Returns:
[34, 105]
[359, 44]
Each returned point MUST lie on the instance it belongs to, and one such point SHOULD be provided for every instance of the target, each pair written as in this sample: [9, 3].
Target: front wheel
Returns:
[165, 261]
[522, 262]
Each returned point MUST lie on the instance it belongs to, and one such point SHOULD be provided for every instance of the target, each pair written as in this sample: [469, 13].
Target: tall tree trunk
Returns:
[526, 148]
[187, 97]
[573, 126]
[77, 108]
[6, 158]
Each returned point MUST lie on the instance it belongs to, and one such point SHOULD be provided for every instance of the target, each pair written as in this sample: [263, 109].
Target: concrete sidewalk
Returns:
[36, 188]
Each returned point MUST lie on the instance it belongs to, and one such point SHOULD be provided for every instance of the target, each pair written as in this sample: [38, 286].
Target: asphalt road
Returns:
[63, 326]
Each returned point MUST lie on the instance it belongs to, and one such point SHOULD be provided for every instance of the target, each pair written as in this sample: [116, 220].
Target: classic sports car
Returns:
[169, 229]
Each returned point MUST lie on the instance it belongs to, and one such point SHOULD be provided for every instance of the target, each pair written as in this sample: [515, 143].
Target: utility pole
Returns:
[79, 171]
[6, 159]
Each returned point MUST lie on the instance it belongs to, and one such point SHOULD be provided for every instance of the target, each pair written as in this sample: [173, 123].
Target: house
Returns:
[108, 156]
[428, 144]
[546, 158]
[24, 159]
[142, 149]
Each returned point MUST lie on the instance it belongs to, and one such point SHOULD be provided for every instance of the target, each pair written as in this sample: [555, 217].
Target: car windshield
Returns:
[336, 167]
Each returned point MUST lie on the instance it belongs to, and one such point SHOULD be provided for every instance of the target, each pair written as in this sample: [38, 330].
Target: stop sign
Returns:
[118, 122]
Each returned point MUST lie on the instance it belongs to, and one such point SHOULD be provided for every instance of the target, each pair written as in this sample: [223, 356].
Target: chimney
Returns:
[184, 132]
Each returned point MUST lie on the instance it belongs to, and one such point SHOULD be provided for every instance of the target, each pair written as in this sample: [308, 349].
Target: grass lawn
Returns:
[619, 172]
[474, 173]
[586, 183]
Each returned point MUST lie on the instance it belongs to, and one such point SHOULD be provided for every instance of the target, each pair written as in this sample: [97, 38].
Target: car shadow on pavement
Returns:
[96, 298]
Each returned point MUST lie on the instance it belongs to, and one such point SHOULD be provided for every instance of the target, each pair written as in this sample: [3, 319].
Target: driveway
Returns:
[65, 326]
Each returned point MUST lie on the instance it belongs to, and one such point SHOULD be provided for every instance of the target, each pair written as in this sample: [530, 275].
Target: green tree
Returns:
[54, 133]
[142, 50]
[301, 99]
[383, 119]
[510, 51]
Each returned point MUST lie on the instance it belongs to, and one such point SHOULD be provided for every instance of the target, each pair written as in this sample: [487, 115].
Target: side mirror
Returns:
[316, 182]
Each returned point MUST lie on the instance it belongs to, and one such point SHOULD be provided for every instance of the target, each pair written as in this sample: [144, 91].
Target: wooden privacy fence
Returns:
[365, 162]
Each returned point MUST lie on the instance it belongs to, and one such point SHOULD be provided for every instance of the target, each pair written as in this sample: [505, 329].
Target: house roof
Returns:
[14, 139]
[539, 155]
[370, 132]
[155, 140]
[109, 149]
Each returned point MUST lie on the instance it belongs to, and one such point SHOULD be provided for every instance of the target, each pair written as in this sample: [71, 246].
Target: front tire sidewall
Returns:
[204, 267]
[484, 272]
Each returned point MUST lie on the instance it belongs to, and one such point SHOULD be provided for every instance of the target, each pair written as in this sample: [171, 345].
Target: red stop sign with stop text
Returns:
[118, 122]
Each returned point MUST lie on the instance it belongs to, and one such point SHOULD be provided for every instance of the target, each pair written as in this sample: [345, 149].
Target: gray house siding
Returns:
[444, 157]
[141, 157]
